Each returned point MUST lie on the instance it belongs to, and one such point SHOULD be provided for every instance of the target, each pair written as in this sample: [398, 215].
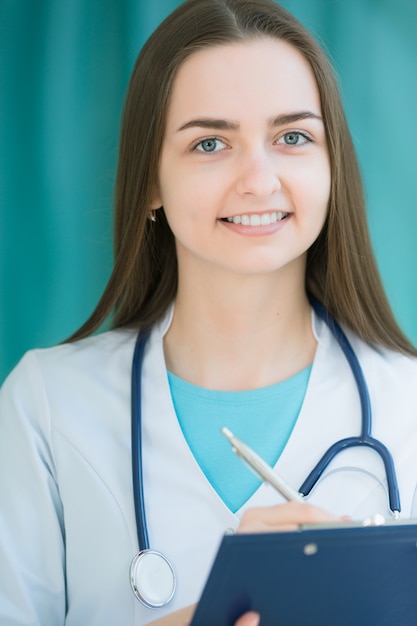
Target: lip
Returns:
[270, 215]
[256, 231]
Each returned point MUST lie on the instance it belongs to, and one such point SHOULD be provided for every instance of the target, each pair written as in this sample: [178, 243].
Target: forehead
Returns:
[265, 76]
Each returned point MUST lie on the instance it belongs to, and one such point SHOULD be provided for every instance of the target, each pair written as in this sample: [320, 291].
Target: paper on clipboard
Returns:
[345, 575]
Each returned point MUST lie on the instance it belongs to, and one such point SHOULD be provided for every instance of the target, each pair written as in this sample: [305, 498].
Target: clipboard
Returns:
[345, 576]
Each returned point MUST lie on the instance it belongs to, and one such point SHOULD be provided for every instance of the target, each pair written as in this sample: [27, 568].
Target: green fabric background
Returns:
[64, 67]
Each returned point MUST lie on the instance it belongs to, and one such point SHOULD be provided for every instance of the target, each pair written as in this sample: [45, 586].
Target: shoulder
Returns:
[391, 376]
[89, 349]
[68, 369]
[83, 353]
[375, 359]
[384, 364]
[71, 392]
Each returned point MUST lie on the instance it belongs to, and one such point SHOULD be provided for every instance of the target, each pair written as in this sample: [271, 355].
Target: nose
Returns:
[258, 174]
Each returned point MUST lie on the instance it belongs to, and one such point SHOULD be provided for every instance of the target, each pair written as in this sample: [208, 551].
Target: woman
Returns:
[237, 199]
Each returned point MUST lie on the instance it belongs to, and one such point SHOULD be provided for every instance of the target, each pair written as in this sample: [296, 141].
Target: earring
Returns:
[152, 215]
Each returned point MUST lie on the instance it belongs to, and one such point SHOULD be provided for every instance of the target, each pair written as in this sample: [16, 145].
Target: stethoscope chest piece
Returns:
[152, 578]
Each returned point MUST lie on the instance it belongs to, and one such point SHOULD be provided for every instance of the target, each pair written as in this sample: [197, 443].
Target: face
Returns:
[244, 174]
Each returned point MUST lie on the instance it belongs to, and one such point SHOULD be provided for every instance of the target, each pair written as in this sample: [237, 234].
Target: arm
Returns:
[32, 581]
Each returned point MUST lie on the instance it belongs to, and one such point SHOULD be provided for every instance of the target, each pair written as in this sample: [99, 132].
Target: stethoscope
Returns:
[152, 576]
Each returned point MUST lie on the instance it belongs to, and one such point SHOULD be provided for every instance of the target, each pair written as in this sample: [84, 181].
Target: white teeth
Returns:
[258, 220]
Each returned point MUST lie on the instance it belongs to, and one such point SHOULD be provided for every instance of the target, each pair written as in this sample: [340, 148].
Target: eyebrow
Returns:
[219, 124]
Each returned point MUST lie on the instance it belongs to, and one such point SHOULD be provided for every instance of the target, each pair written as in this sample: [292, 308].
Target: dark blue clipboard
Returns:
[344, 576]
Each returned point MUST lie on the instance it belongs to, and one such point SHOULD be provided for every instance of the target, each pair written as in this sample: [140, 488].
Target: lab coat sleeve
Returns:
[32, 562]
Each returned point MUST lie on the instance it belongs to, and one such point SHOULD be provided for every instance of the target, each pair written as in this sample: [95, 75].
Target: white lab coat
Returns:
[67, 523]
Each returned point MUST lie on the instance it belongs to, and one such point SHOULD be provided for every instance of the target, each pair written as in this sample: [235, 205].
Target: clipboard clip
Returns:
[372, 521]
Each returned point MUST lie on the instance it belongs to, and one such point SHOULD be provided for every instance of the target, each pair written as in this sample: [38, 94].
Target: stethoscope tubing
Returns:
[137, 468]
[364, 439]
[152, 576]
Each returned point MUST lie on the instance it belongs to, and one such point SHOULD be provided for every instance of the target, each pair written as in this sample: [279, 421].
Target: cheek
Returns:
[183, 208]
[190, 197]
[311, 203]
[312, 188]
[176, 187]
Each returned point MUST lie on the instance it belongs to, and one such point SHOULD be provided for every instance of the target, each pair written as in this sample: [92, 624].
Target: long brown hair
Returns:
[341, 268]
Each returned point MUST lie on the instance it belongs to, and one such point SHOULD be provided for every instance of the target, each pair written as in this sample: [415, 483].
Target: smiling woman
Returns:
[243, 273]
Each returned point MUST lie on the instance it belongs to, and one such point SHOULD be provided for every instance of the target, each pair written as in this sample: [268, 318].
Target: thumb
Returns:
[248, 619]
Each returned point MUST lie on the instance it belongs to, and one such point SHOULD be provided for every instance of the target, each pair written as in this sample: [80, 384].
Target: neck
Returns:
[244, 333]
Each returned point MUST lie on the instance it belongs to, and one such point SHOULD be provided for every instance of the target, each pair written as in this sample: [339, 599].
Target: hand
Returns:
[283, 517]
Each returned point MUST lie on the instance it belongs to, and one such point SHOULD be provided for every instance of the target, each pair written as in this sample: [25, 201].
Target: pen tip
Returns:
[226, 432]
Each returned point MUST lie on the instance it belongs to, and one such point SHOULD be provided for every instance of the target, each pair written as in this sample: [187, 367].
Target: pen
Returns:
[260, 468]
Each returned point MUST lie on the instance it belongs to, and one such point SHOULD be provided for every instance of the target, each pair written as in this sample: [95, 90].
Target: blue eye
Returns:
[211, 144]
[294, 139]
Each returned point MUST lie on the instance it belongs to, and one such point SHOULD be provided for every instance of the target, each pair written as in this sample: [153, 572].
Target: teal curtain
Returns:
[64, 67]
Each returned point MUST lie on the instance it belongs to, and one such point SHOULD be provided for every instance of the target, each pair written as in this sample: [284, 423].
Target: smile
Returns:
[257, 220]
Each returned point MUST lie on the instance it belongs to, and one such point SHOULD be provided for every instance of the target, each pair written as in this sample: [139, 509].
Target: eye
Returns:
[294, 138]
[211, 144]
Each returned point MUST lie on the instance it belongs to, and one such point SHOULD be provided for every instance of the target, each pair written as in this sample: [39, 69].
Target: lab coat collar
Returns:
[161, 328]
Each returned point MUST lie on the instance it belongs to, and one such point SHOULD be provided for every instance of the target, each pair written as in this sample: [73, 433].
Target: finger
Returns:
[248, 619]
[283, 517]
